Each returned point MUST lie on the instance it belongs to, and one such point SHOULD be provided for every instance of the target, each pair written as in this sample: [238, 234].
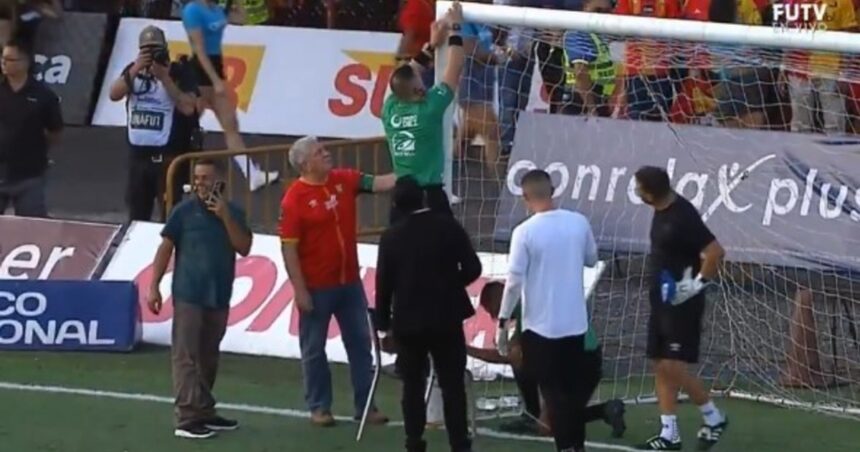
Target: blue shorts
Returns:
[478, 83]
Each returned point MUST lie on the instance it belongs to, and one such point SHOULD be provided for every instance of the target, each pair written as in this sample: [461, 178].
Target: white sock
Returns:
[244, 164]
[670, 428]
[711, 413]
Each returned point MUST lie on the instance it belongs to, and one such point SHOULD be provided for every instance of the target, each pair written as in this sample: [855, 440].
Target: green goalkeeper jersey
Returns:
[591, 342]
[414, 134]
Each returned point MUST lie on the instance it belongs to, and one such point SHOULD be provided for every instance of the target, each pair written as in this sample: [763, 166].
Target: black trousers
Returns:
[146, 184]
[591, 372]
[556, 364]
[448, 350]
[435, 199]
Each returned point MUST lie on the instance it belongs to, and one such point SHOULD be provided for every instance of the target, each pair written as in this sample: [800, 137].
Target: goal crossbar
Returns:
[646, 27]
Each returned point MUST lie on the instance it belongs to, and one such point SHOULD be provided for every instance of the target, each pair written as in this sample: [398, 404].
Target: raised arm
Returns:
[456, 54]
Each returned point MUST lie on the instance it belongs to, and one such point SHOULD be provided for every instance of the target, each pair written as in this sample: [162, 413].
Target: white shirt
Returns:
[548, 255]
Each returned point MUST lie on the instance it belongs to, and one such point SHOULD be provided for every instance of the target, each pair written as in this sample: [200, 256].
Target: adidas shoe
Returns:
[660, 443]
[194, 431]
[710, 435]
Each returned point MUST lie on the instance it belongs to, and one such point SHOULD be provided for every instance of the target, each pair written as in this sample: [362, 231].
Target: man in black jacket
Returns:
[424, 265]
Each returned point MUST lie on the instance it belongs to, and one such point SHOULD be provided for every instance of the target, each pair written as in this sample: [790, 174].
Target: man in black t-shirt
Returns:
[30, 123]
[681, 246]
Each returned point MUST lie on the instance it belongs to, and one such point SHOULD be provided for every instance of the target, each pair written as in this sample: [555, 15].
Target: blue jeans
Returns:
[514, 87]
[349, 307]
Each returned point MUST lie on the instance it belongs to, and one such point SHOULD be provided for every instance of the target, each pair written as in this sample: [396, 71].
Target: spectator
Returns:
[591, 72]
[318, 230]
[205, 22]
[648, 89]
[26, 16]
[812, 76]
[524, 46]
[852, 87]
[477, 86]
[743, 83]
[30, 123]
[416, 16]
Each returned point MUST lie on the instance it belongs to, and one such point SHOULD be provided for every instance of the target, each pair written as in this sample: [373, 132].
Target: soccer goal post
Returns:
[758, 125]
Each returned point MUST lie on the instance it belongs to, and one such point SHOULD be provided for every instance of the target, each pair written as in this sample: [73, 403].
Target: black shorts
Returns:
[674, 332]
[201, 75]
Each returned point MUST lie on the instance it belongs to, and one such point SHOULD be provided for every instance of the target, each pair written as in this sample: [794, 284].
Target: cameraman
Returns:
[163, 121]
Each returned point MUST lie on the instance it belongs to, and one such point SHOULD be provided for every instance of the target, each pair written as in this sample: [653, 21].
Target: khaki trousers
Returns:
[196, 339]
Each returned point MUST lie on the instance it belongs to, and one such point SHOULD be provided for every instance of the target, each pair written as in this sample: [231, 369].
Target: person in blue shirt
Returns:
[477, 87]
[205, 22]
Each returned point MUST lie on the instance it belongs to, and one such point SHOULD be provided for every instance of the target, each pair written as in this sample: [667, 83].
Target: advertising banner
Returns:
[67, 60]
[279, 86]
[263, 318]
[769, 197]
[33, 248]
[68, 315]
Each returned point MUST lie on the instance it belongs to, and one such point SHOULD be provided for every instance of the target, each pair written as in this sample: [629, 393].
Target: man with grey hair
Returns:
[319, 235]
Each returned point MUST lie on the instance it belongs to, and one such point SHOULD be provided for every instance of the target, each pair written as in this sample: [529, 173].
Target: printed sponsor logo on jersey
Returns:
[361, 83]
[241, 68]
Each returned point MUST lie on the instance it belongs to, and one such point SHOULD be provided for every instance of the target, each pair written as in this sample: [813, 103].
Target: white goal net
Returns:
[759, 126]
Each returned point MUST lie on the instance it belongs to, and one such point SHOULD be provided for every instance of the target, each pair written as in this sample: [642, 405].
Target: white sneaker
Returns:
[260, 179]
[197, 431]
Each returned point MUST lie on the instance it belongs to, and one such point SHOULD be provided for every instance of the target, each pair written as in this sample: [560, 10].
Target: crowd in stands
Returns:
[723, 85]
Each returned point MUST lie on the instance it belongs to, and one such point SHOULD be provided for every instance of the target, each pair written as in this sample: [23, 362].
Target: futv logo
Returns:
[798, 16]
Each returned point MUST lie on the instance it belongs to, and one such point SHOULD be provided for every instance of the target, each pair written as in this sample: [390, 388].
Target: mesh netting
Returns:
[777, 330]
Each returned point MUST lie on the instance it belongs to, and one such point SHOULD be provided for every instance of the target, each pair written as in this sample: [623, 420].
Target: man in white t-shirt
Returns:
[548, 254]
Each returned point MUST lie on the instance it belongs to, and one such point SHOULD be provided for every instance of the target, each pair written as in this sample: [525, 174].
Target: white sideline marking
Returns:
[284, 412]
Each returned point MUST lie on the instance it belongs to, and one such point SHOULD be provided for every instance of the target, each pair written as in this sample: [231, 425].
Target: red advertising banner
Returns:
[32, 248]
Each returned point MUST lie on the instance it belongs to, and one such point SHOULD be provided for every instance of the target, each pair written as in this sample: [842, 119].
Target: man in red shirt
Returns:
[318, 229]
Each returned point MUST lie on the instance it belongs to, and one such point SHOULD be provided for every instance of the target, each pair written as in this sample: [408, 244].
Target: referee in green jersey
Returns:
[413, 115]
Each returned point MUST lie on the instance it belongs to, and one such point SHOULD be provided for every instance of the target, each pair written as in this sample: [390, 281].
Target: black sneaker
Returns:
[613, 414]
[221, 424]
[659, 443]
[194, 431]
[710, 434]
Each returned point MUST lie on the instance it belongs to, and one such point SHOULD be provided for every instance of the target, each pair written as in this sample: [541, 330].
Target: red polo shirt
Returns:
[322, 219]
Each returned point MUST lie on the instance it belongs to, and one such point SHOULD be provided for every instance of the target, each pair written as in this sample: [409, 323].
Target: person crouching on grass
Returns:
[318, 229]
[535, 419]
[206, 231]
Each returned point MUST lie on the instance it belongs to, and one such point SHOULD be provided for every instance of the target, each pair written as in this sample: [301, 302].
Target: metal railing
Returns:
[262, 208]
